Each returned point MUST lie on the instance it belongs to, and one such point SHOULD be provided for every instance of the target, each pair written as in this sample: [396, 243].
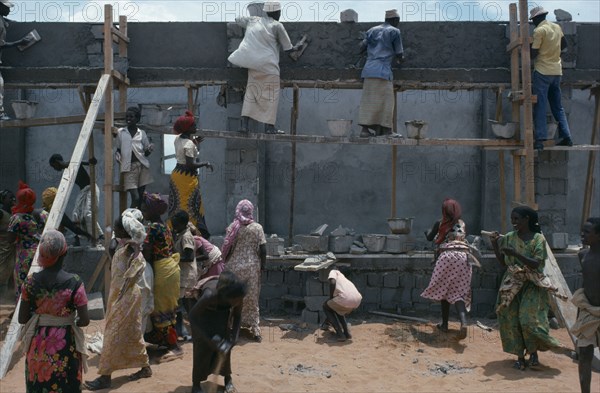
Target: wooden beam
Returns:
[293, 128]
[56, 212]
[120, 35]
[394, 156]
[53, 121]
[120, 77]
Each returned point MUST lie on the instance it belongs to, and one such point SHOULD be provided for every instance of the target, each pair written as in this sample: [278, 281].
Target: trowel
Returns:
[33, 36]
[302, 44]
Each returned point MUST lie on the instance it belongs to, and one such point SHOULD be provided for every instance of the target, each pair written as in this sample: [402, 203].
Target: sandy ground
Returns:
[385, 355]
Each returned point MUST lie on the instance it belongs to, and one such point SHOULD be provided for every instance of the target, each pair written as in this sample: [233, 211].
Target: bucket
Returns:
[503, 130]
[400, 226]
[24, 109]
[374, 243]
[416, 129]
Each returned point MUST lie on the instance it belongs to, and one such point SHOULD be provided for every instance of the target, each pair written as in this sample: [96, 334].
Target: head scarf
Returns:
[451, 213]
[51, 247]
[132, 220]
[243, 216]
[155, 204]
[392, 14]
[48, 198]
[458, 231]
[184, 123]
[526, 211]
[25, 199]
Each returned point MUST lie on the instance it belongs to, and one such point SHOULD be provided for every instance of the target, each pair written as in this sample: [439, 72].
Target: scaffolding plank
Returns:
[53, 121]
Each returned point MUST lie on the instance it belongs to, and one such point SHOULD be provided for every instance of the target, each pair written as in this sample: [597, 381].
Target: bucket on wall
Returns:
[24, 109]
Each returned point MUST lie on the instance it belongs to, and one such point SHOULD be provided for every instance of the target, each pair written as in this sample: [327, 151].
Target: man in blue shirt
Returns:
[383, 44]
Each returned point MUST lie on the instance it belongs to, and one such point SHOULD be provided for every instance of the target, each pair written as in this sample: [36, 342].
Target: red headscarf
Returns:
[184, 123]
[25, 199]
[451, 213]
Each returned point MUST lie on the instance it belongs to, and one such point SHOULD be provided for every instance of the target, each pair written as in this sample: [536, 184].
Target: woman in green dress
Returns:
[523, 324]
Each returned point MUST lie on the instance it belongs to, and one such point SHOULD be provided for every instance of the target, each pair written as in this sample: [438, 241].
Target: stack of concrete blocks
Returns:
[399, 244]
[275, 246]
[551, 180]
[314, 244]
[278, 283]
[95, 52]
[317, 293]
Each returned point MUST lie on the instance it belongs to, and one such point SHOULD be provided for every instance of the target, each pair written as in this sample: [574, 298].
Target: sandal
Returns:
[145, 372]
[97, 384]
[534, 360]
[520, 364]
[442, 327]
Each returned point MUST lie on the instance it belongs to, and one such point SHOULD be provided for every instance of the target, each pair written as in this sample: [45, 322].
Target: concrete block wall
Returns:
[393, 284]
[552, 184]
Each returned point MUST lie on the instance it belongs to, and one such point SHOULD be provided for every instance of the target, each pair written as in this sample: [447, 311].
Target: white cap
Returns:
[537, 11]
[392, 14]
[7, 3]
[272, 6]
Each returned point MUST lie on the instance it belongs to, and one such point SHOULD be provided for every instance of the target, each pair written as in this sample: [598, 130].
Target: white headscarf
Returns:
[132, 223]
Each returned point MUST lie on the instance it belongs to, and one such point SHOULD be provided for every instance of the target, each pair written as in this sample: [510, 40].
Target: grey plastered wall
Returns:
[347, 185]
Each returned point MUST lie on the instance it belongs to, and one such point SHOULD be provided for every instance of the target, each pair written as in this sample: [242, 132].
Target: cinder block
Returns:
[340, 244]
[315, 303]
[270, 291]
[558, 187]
[324, 275]
[435, 307]
[233, 44]
[275, 277]
[358, 278]
[372, 295]
[475, 280]
[314, 287]
[95, 306]
[422, 281]
[416, 295]
[560, 241]
[389, 296]
[391, 280]
[94, 49]
[407, 280]
[292, 277]
[275, 305]
[374, 279]
[296, 290]
[421, 306]
[97, 31]
[310, 317]
[313, 243]
[406, 297]
[275, 246]
[489, 281]
[234, 30]
[485, 296]
[542, 186]
[484, 309]
[349, 16]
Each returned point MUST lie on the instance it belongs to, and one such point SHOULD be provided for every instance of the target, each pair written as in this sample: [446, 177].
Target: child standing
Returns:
[185, 245]
[343, 299]
[133, 148]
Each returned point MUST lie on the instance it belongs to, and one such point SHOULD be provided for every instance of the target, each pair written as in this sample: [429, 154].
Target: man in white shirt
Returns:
[344, 298]
[259, 53]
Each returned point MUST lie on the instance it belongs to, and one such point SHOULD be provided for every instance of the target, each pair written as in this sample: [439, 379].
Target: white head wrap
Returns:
[132, 223]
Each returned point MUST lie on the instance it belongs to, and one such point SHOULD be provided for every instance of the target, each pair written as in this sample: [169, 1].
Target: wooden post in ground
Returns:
[108, 136]
[501, 169]
[293, 129]
[589, 180]
[394, 155]
[123, 52]
[527, 104]
[516, 106]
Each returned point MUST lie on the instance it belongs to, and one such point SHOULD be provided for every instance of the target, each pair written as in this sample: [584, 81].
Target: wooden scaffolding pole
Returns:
[527, 105]
[516, 107]
[293, 129]
[394, 156]
[120, 35]
[108, 136]
[589, 180]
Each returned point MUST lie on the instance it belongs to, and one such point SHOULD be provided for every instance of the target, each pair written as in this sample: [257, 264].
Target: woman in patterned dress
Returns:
[54, 308]
[159, 252]
[24, 229]
[184, 189]
[451, 279]
[245, 254]
[523, 324]
[124, 345]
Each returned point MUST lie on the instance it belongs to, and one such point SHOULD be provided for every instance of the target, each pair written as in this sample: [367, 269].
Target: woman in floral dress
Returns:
[24, 230]
[54, 308]
[158, 250]
[245, 254]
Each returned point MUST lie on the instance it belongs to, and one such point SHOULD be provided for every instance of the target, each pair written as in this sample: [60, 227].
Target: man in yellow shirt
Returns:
[548, 42]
